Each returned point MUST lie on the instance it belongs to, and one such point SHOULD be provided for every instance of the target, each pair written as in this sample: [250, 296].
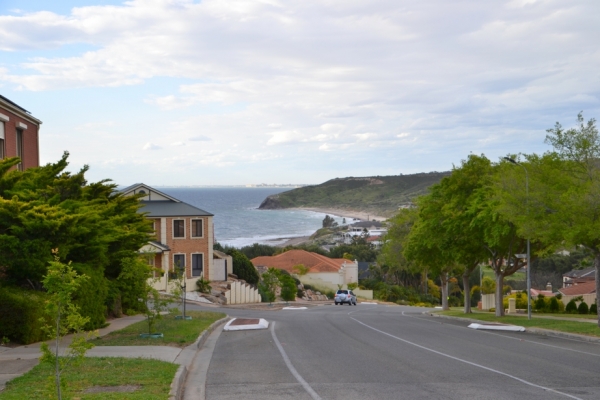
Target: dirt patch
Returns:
[245, 321]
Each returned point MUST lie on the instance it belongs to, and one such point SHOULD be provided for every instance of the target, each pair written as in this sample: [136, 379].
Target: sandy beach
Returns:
[364, 216]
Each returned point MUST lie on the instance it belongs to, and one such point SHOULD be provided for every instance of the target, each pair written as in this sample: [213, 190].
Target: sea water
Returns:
[237, 220]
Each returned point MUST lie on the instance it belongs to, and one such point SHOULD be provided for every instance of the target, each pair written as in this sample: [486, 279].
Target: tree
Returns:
[269, 282]
[329, 222]
[300, 269]
[92, 224]
[576, 188]
[243, 267]
[61, 282]
[391, 262]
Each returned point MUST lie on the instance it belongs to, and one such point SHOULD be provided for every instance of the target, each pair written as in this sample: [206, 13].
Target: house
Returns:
[183, 238]
[578, 275]
[323, 272]
[19, 134]
[586, 289]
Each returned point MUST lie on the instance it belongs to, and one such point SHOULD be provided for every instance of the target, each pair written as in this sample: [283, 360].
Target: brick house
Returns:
[19, 134]
[183, 237]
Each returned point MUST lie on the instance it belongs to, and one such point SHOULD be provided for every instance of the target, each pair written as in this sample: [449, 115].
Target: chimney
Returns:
[549, 286]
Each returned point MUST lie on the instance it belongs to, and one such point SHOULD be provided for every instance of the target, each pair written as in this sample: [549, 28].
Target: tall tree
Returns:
[575, 201]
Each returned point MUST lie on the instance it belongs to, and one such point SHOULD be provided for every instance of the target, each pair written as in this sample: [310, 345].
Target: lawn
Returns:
[177, 333]
[151, 379]
[582, 328]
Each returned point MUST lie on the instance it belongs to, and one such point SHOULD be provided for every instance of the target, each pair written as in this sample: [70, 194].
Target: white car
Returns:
[345, 296]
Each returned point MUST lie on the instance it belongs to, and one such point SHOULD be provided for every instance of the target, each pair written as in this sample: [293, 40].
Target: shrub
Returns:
[288, 288]
[20, 313]
[583, 308]
[91, 296]
[203, 285]
[521, 300]
[571, 307]
[554, 307]
[540, 303]
[593, 309]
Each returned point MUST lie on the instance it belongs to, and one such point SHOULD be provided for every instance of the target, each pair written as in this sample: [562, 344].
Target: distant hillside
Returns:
[380, 195]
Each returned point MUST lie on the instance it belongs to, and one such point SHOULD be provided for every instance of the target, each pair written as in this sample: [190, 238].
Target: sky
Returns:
[235, 92]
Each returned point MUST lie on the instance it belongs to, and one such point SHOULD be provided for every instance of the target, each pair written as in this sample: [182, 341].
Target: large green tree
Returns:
[92, 226]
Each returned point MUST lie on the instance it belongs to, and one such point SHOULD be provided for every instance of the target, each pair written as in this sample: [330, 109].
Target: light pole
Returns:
[528, 250]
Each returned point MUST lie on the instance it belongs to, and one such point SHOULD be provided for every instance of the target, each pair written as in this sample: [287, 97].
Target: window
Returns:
[2, 156]
[197, 264]
[178, 228]
[20, 148]
[179, 263]
[197, 228]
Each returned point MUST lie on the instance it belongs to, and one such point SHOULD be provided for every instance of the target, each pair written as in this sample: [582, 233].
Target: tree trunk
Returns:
[444, 278]
[597, 267]
[499, 302]
[467, 293]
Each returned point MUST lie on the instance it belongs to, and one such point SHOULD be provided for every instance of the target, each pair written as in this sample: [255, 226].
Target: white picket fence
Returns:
[242, 293]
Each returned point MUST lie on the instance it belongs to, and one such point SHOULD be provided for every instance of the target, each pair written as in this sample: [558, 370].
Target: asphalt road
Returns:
[393, 352]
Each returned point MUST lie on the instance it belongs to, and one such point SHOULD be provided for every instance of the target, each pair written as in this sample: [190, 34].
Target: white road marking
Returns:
[515, 338]
[469, 362]
[298, 377]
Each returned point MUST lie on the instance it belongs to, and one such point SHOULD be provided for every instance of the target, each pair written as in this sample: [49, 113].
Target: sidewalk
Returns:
[17, 361]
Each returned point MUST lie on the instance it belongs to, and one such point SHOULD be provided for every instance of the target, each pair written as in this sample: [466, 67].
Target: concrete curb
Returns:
[178, 383]
[539, 331]
[209, 330]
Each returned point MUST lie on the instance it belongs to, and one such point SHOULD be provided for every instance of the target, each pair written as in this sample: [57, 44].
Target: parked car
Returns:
[345, 296]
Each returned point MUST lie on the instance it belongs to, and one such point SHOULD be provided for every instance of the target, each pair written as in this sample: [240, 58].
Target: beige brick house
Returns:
[183, 237]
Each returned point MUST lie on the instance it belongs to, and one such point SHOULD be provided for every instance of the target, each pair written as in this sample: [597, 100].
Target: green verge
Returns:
[152, 377]
[177, 332]
[581, 328]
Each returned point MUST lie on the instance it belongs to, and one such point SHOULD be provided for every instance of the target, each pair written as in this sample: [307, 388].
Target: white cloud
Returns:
[368, 80]
[151, 146]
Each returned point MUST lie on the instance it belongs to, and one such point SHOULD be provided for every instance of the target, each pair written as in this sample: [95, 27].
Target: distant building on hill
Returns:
[19, 134]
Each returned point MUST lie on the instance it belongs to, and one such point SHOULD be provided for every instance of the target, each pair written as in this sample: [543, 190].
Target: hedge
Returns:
[20, 314]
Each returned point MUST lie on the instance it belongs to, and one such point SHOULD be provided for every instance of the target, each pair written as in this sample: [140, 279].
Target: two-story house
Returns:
[19, 134]
[183, 239]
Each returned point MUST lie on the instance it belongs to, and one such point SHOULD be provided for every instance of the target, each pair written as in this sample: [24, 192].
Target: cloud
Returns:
[199, 138]
[151, 146]
[283, 80]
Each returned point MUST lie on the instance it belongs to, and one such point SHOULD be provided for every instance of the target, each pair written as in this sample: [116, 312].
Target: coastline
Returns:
[362, 215]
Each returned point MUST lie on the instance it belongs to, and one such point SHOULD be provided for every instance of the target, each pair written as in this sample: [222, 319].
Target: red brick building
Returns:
[183, 237]
[19, 134]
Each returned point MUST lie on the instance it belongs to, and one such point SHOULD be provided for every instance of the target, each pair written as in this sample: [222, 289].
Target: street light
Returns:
[528, 250]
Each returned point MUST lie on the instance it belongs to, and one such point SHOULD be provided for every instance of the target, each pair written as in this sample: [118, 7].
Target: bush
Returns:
[540, 304]
[521, 300]
[288, 288]
[91, 296]
[554, 307]
[243, 267]
[203, 285]
[593, 309]
[583, 308]
[20, 313]
[571, 307]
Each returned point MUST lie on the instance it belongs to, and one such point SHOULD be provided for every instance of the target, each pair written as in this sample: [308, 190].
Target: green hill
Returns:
[379, 195]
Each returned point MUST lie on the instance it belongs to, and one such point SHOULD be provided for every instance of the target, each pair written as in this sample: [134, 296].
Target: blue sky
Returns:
[178, 92]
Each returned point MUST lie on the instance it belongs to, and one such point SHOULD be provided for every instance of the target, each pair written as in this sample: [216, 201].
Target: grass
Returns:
[152, 377]
[537, 321]
[177, 333]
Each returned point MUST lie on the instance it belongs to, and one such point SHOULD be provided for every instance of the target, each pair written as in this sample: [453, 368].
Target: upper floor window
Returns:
[20, 148]
[2, 154]
[178, 228]
[197, 228]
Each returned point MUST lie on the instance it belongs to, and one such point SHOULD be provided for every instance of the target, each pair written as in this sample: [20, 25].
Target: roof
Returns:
[582, 288]
[163, 205]
[580, 273]
[14, 107]
[167, 208]
[315, 262]
[367, 224]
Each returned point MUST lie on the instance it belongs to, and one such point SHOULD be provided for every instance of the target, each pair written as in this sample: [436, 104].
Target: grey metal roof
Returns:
[168, 208]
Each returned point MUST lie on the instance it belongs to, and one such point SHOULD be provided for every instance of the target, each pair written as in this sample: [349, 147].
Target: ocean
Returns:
[237, 220]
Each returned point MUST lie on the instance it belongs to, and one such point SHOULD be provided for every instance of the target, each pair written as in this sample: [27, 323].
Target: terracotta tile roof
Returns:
[315, 262]
[582, 288]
